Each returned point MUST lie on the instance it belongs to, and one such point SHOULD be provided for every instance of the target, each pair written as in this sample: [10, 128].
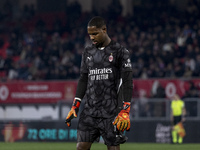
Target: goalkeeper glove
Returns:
[73, 112]
[122, 121]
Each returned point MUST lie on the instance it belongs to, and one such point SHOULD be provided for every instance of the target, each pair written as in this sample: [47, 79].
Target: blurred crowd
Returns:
[164, 41]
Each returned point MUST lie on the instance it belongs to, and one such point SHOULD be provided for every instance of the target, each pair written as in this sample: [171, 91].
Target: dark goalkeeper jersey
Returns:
[104, 69]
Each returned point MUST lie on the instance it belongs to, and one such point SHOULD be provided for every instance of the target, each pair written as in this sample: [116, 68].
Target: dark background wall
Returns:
[141, 131]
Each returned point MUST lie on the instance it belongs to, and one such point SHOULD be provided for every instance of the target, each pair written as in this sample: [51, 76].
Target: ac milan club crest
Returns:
[111, 58]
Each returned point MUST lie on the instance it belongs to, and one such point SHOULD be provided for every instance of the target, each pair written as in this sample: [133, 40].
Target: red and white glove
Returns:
[73, 112]
[122, 121]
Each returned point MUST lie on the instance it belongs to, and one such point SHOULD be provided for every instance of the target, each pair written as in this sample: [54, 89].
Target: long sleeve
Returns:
[82, 86]
[127, 84]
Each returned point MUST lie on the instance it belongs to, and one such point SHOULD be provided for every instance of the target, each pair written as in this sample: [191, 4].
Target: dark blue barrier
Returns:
[141, 131]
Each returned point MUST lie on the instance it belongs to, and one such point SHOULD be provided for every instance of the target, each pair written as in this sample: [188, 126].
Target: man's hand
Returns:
[122, 121]
[73, 112]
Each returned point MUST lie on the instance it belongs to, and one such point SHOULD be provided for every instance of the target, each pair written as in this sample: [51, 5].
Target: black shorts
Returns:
[177, 119]
[90, 129]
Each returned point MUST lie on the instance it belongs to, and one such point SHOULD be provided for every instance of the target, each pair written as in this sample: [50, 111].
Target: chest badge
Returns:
[111, 58]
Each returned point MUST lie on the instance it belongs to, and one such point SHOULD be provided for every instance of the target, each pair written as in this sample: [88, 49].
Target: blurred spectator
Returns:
[2, 61]
[162, 45]
[158, 90]
[144, 106]
[193, 91]
[190, 94]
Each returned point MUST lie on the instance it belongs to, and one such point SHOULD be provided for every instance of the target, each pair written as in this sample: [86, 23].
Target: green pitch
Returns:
[95, 146]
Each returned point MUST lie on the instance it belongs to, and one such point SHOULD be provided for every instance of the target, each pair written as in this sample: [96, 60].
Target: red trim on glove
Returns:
[76, 104]
[126, 106]
[73, 112]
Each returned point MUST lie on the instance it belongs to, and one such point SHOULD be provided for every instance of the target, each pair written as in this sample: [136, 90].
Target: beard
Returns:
[98, 44]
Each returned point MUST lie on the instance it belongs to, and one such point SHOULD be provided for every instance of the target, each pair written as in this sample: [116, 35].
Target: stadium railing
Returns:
[141, 109]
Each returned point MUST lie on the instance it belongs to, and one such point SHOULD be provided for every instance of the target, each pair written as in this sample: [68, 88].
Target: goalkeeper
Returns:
[106, 86]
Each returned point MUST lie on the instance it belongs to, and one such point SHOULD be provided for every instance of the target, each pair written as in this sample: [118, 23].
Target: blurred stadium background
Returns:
[41, 42]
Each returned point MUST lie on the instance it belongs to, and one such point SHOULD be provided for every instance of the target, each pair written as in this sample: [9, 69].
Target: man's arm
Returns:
[122, 121]
[80, 92]
[82, 86]
[127, 84]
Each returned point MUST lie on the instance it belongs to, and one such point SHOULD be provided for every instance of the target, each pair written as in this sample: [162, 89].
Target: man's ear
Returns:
[104, 29]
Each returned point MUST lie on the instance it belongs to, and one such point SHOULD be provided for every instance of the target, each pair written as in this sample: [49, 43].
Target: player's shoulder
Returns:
[118, 47]
[88, 47]
[182, 101]
[115, 45]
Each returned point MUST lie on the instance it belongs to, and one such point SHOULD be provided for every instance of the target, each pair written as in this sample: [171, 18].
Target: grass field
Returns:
[95, 146]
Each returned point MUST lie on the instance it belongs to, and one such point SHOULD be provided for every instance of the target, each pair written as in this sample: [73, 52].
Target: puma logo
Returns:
[89, 58]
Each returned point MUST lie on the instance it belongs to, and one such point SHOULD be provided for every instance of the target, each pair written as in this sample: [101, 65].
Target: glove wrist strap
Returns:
[76, 103]
[126, 107]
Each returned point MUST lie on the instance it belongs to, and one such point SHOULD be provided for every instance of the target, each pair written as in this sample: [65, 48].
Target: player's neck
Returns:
[106, 43]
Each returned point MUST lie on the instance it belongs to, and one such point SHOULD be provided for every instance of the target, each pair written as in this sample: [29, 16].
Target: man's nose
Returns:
[92, 37]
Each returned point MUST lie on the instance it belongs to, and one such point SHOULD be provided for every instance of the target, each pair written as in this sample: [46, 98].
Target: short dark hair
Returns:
[97, 21]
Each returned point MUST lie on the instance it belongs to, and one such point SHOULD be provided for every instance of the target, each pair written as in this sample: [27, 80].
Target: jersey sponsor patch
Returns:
[100, 74]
